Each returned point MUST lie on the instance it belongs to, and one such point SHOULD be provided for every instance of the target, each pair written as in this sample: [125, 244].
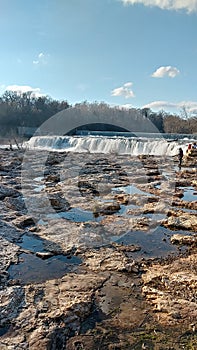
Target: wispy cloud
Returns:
[166, 71]
[124, 91]
[21, 89]
[41, 59]
[125, 106]
[191, 106]
[187, 5]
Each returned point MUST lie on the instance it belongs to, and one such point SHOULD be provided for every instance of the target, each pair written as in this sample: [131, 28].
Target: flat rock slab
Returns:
[171, 289]
[8, 254]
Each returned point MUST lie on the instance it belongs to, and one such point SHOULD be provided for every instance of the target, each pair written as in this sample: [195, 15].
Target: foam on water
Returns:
[104, 144]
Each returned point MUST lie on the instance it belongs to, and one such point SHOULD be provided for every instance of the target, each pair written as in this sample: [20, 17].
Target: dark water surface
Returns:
[32, 269]
[4, 330]
[154, 243]
[189, 194]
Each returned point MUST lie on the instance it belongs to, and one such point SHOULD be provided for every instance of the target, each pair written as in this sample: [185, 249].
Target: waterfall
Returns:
[99, 144]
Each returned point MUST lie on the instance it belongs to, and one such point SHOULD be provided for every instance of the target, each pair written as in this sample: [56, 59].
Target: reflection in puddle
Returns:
[32, 269]
[189, 194]
[130, 189]
[191, 211]
[38, 179]
[39, 188]
[125, 208]
[74, 214]
[33, 243]
[153, 243]
[158, 186]
[155, 216]
[4, 330]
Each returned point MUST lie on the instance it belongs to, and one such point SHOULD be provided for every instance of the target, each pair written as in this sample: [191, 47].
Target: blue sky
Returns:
[123, 52]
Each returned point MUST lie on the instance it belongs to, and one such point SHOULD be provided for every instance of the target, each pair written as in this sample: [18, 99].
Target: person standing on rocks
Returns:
[180, 157]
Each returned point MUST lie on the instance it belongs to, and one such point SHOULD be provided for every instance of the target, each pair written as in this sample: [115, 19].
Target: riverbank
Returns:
[97, 252]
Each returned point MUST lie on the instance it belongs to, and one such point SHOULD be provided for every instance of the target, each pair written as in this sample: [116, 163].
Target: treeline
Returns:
[172, 123]
[27, 110]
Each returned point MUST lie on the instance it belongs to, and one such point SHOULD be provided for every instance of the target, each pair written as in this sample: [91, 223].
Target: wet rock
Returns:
[106, 208]
[61, 304]
[171, 289]
[11, 301]
[183, 239]
[140, 223]
[58, 202]
[153, 172]
[10, 232]
[54, 178]
[82, 342]
[184, 221]
[15, 203]
[44, 255]
[69, 235]
[107, 259]
[122, 198]
[6, 191]
[160, 207]
[8, 254]
[23, 221]
[127, 248]
[54, 158]
[184, 204]
[49, 315]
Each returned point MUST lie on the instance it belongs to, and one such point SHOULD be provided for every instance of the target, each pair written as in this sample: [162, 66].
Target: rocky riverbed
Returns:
[97, 252]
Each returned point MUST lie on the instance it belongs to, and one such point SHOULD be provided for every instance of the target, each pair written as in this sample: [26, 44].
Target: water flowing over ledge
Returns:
[133, 146]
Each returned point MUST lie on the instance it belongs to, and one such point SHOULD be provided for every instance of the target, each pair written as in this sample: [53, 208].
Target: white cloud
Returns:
[187, 5]
[127, 85]
[191, 106]
[126, 106]
[21, 89]
[124, 91]
[158, 105]
[41, 59]
[166, 71]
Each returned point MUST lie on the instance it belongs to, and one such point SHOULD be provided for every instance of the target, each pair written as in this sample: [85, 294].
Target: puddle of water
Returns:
[38, 179]
[154, 243]
[186, 210]
[124, 209]
[4, 330]
[76, 215]
[155, 216]
[189, 194]
[37, 184]
[158, 186]
[130, 189]
[32, 269]
[33, 243]
[39, 188]
[191, 211]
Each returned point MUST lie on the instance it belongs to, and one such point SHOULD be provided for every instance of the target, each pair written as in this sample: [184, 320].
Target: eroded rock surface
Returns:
[121, 296]
[171, 289]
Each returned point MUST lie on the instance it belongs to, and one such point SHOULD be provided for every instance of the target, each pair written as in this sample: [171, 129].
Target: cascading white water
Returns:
[100, 144]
